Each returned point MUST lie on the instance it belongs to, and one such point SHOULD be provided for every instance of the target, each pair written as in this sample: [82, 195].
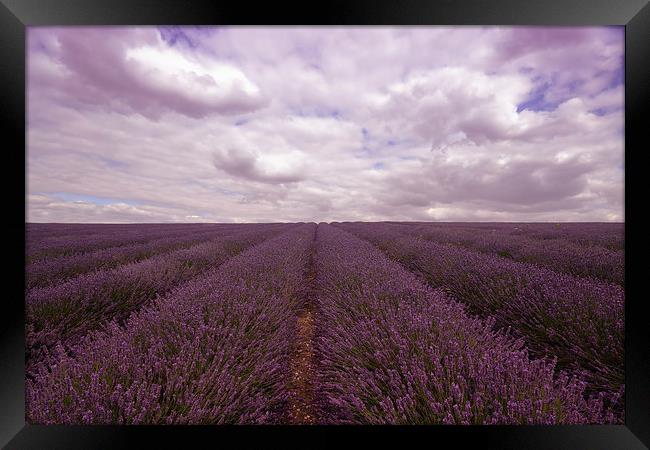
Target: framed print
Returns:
[349, 220]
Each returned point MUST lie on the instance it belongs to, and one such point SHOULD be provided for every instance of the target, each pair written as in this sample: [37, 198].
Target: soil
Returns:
[301, 406]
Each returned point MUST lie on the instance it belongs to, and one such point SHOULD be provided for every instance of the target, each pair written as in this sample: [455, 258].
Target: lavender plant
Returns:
[393, 350]
[54, 270]
[560, 255]
[414, 323]
[213, 352]
[67, 311]
[579, 321]
[72, 243]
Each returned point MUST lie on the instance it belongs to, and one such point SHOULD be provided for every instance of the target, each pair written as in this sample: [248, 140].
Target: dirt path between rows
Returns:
[301, 405]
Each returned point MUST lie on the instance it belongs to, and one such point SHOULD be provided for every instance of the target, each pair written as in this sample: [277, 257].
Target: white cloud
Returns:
[261, 124]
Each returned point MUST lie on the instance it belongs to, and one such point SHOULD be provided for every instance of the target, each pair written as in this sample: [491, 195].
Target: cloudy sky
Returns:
[247, 124]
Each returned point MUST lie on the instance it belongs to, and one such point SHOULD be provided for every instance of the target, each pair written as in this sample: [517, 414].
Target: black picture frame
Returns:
[16, 15]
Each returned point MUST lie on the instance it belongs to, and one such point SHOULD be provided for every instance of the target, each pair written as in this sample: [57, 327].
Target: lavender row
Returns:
[37, 233]
[67, 311]
[213, 352]
[393, 350]
[604, 234]
[70, 244]
[52, 231]
[608, 235]
[50, 271]
[578, 320]
[556, 254]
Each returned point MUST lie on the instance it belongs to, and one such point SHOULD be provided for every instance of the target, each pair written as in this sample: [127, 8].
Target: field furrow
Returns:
[302, 407]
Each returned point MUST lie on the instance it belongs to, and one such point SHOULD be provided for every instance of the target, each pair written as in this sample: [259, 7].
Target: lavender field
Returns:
[341, 323]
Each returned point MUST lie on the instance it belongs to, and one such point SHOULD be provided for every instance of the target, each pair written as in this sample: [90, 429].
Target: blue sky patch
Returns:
[316, 111]
[604, 111]
[174, 35]
[537, 100]
[68, 197]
